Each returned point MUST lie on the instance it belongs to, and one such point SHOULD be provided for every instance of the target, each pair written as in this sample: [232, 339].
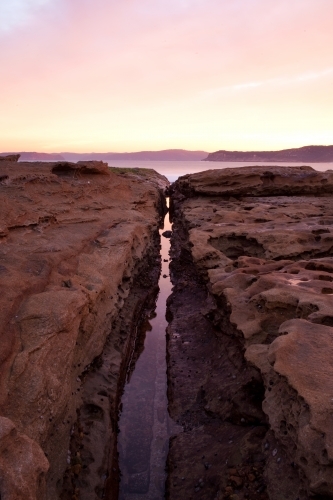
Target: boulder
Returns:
[11, 158]
[257, 181]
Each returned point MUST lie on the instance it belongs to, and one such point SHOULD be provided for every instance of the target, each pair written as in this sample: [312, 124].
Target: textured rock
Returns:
[72, 240]
[267, 261]
[257, 181]
[23, 465]
[298, 368]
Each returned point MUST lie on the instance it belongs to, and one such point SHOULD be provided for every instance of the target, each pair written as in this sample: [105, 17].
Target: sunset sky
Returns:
[130, 75]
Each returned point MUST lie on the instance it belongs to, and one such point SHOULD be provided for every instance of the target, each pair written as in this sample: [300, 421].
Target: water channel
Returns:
[144, 423]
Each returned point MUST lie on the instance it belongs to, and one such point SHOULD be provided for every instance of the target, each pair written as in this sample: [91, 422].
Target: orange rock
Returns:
[257, 181]
[71, 236]
[23, 465]
[261, 238]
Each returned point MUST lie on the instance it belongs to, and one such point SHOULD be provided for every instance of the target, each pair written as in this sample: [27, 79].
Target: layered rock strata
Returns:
[78, 260]
[253, 389]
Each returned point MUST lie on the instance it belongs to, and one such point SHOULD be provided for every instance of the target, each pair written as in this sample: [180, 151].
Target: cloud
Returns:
[15, 13]
[314, 75]
[272, 82]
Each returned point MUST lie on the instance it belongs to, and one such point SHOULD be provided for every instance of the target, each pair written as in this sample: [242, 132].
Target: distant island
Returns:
[313, 154]
[164, 155]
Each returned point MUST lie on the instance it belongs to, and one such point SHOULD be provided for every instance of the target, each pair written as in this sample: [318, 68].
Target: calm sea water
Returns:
[144, 423]
[174, 169]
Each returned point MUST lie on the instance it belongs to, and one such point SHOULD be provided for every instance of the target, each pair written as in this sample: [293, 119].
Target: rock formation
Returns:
[79, 256]
[7, 158]
[249, 336]
[252, 322]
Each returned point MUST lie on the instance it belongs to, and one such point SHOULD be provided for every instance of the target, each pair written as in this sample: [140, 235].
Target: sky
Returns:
[132, 75]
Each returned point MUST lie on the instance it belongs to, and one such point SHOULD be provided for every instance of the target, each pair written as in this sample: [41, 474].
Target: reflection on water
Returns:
[144, 421]
[295, 281]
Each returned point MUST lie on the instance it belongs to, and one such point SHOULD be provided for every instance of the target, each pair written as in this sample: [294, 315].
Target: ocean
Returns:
[174, 169]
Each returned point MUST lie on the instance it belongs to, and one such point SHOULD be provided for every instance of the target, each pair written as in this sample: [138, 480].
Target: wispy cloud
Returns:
[278, 82]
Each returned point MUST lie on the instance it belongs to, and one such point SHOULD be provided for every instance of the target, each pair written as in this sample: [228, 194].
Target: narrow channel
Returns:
[144, 423]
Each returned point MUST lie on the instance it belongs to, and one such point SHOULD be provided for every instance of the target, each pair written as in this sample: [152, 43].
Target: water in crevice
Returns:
[144, 423]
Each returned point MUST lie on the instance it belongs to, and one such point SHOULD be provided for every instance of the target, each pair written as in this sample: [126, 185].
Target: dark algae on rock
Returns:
[250, 334]
[213, 394]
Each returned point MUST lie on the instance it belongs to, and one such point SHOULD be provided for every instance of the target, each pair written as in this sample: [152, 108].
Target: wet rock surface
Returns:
[79, 262]
[209, 395]
[250, 334]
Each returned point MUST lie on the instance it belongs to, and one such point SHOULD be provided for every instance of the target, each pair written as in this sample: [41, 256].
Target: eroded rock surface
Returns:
[259, 241]
[257, 181]
[75, 240]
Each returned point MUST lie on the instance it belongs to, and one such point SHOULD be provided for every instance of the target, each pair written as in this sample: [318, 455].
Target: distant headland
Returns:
[308, 154]
[163, 155]
[313, 154]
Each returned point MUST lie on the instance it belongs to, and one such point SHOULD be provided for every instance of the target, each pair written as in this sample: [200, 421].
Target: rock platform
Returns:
[250, 339]
[79, 259]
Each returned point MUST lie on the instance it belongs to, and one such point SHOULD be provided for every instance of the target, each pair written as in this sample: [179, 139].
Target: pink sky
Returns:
[106, 75]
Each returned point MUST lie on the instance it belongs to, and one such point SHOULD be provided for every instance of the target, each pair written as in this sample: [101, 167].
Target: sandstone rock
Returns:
[72, 240]
[297, 368]
[257, 181]
[261, 238]
[64, 169]
[23, 465]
